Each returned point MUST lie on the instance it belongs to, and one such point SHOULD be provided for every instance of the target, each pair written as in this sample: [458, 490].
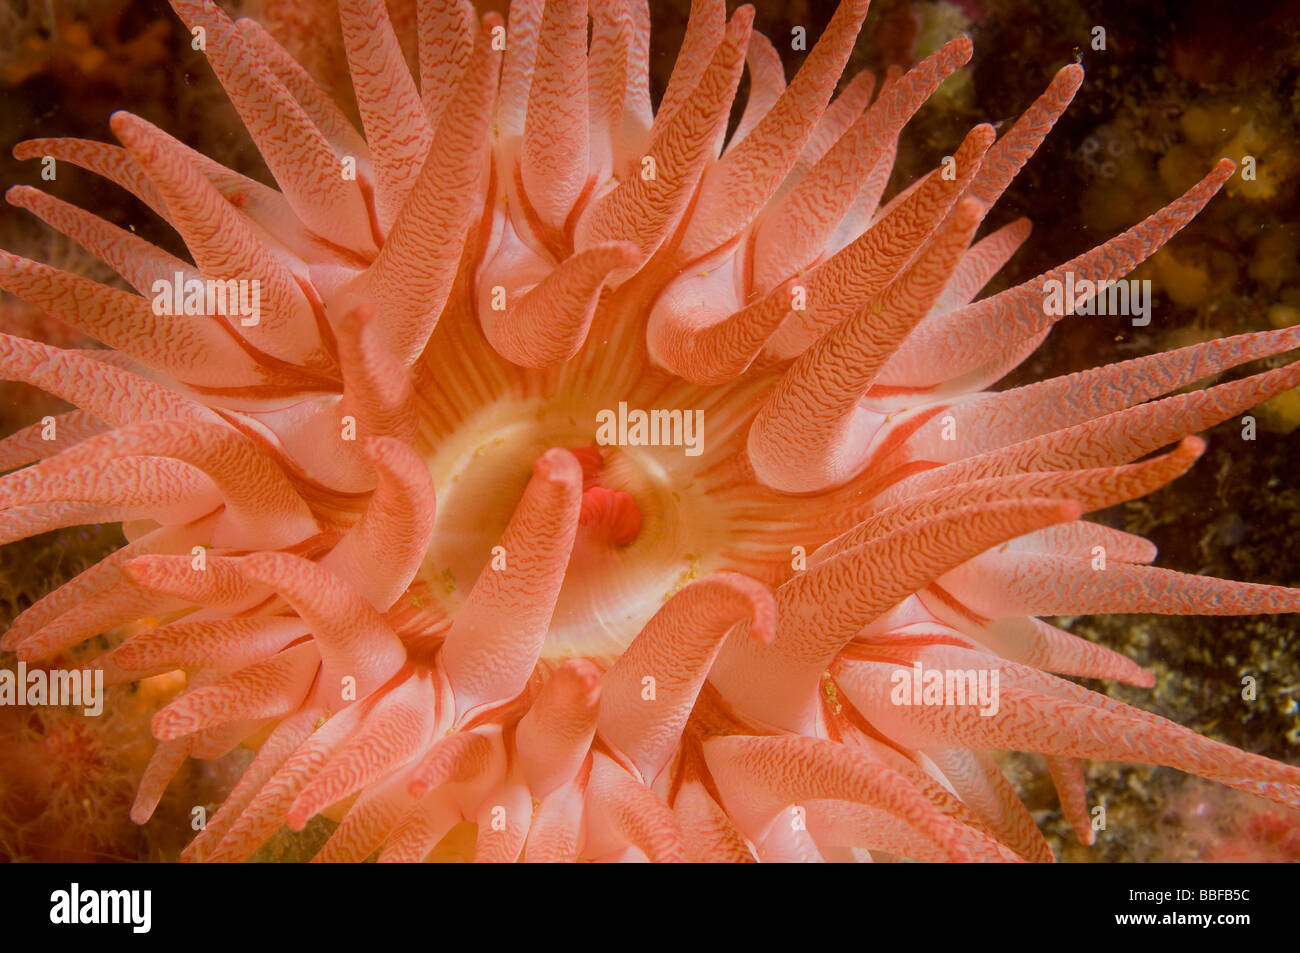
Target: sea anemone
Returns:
[708, 430]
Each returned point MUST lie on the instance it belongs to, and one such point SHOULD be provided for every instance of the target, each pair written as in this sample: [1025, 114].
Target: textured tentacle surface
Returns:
[588, 481]
[512, 606]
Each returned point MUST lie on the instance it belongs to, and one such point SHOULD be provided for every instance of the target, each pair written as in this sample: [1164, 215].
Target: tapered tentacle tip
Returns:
[1070, 76]
[969, 211]
[356, 329]
[167, 725]
[28, 651]
[762, 627]
[266, 568]
[124, 124]
[141, 570]
[20, 196]
[1020, 229]
[981, 136]
[615, 261]
[579, 678]
[135, 133]
[743, 18]
[297, 819]
[28, 149]
[760, 608]
[358, 317]
[558, 466]
[61, 463]
[620, 254]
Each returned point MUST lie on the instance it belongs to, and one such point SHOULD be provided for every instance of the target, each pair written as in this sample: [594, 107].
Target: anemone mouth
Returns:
[618, 575]
[475, 357]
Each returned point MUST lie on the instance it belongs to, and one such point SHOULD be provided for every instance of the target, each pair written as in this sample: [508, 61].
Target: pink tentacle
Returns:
[676, 650]
[498, 633]
[553, 739]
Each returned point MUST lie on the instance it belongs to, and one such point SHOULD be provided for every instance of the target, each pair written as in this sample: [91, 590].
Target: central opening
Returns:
[619, 574]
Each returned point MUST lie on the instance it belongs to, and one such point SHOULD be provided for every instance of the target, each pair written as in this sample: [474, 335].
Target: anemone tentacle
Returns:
[383, 534]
